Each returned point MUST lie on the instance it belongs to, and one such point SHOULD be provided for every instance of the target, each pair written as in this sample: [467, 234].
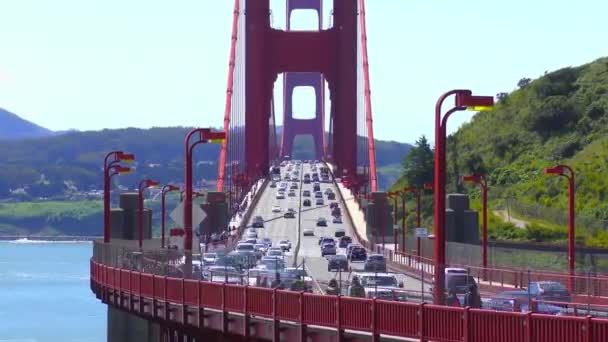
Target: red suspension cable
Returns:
[368, 103]
[228, 105]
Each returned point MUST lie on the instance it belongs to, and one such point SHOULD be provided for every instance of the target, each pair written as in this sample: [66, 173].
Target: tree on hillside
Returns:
[523, 82]
[418, 163]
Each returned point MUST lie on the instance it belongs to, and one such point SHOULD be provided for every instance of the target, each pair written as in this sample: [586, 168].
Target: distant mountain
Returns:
[12, 127]
[52, 165]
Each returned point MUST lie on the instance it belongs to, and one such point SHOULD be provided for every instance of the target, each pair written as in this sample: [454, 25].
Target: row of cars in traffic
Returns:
[256, 262]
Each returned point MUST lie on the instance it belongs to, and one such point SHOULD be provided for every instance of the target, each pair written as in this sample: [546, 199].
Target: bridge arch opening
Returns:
[304, 20]
[304, 102]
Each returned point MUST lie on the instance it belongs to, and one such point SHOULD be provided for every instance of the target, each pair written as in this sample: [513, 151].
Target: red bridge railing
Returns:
[410, 320]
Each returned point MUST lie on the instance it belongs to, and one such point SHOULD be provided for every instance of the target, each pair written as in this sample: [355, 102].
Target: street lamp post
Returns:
[463, 100]
[483, 182]
[419, 191]
[403, 193]
[166, 188]
[110, 162]
[395, 195]
[567, 172]
[203, 135]
[143, 185]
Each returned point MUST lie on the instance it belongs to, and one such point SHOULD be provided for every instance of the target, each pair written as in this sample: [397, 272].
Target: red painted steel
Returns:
[320, 310]
[125, 280]
[407, 322]
[437, 323]
[229, 87]
[191, 292]
[159, 287]
[288, 305]
[547, 328]
[368, 102]
[211, 295]
[355, 313]
[174, 290]
[599, 329]
[147, 286]
[442, 323]
[235, 298]
[135, 285]
[496, 326]
[257, 301]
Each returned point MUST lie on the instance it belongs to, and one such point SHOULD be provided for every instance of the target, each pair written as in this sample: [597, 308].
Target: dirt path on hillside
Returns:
[505, 217]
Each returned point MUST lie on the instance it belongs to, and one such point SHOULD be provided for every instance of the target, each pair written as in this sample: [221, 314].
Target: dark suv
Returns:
[337, 263]
[357, 254]
[375, 263]
[344, 241]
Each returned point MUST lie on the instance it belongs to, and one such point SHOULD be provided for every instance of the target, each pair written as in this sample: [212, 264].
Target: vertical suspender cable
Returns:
[228, 105]
[368, 104]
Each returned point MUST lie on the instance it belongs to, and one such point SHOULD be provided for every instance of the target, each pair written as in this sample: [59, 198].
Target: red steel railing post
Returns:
[340, 334]
[201, 309]
[245, 314]
[184, 308]
[374, 327]
[303, 332]
[421, 321]
[466, 326]
[224, 312]
[276, 334]
[167, 312]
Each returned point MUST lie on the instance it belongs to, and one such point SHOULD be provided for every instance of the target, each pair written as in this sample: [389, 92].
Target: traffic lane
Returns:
[316, 264]
[276, 227]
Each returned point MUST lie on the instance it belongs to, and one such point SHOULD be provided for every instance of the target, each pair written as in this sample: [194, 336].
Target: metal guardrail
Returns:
[378, 317]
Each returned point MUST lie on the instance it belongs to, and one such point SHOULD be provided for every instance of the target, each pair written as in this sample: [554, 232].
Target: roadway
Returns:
[305, 249]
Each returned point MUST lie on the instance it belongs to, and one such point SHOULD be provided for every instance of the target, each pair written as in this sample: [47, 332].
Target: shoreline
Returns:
[49, 238]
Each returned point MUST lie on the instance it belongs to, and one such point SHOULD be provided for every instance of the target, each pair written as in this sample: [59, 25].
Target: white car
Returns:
[285, 245]
[280, 195]
[276, 209]
[251, 234]
[308, 232]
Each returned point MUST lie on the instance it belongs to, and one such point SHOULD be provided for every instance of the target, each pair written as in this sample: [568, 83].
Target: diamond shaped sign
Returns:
[198, 215]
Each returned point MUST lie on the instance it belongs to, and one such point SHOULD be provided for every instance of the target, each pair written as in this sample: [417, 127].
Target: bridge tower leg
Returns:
[293, 127]
[331, 52]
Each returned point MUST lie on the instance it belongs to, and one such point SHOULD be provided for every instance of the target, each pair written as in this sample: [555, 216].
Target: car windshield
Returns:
[245, 247]
[516, 295]
[223, 269]
[273, 264]
[460, 280]
[275, 253]
[378, 281]
[209, 255]
[376, 258]
[259, 245]
[553, 287]
[296, 272]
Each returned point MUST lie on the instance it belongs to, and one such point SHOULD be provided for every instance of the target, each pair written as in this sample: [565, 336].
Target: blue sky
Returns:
[92, 64]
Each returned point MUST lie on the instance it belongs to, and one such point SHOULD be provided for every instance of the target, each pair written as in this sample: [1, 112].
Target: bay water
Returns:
[45, 294]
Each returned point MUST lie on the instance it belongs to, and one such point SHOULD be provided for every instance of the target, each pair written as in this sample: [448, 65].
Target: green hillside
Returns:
[51, 166]
[560, 118]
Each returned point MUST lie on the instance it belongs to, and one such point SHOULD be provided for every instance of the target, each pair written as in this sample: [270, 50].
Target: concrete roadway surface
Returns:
[305, 249]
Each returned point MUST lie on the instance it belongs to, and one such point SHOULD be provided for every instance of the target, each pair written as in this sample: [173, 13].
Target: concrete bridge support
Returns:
[123, 326]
